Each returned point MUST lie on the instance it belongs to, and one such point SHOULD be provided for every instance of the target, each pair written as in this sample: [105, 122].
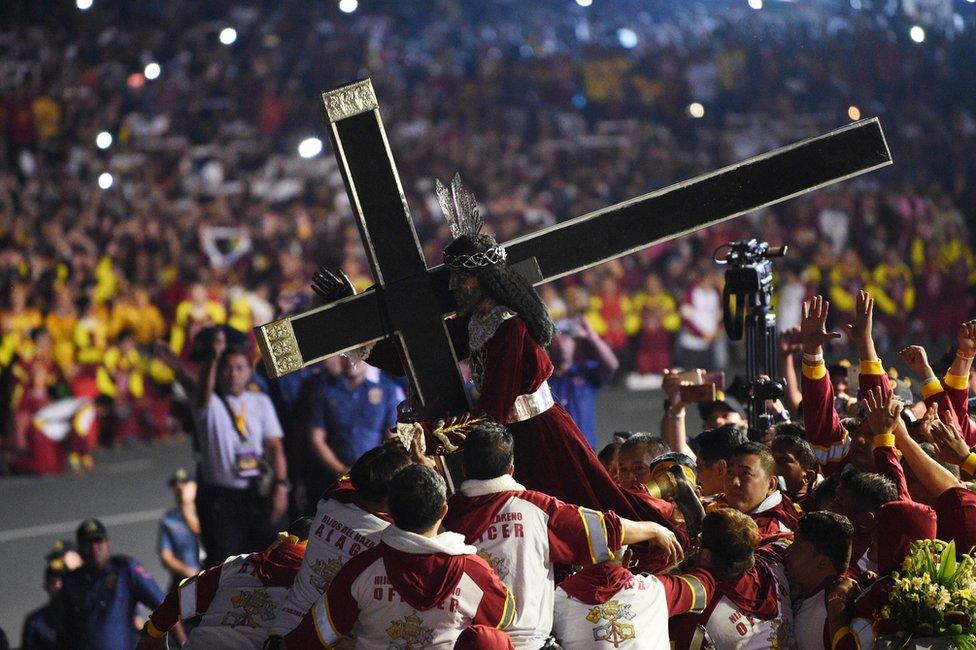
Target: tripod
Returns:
[747, 312]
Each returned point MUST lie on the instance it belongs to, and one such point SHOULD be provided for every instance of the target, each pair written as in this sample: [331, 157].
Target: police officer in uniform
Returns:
[97, 603]
[347, 416]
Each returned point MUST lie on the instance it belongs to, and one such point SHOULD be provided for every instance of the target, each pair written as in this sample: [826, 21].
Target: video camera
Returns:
[749, 279]
[747, 311]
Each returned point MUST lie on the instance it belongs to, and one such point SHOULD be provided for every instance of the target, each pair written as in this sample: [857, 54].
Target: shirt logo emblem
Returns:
[323, 572]
[253, 605]
[375, 395]
[498, 563]
[409, 634]
[614, 631]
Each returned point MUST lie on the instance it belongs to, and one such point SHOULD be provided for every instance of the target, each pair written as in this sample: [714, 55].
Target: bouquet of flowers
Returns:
[933, 595]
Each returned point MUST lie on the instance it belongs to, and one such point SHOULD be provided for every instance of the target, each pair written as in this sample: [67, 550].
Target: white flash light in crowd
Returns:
[151, 71]
[755, 4]
[309, 147]
[854, 113]
[103, 140]
[84, 5]
[584, 3]
[348, 6]
[228, 35]
[105, 180]
[627, 38]
[855, 4]
[917, 34]
[696, 110]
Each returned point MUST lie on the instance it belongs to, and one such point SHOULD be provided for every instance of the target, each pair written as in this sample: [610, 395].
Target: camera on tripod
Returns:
[747, 311]
[749, 279]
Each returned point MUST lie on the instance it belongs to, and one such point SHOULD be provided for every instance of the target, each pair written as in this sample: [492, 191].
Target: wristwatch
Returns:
[283, 481]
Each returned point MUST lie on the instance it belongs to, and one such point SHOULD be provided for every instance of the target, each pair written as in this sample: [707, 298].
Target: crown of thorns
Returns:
[491, 257]
[461, 211]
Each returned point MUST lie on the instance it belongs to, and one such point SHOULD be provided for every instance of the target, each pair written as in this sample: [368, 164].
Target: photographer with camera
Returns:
[583, 363]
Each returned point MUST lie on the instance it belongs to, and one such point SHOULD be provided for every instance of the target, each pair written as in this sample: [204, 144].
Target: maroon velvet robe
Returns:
[551, 454]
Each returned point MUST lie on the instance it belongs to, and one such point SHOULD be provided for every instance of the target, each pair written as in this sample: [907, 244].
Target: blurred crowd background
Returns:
[162, 168]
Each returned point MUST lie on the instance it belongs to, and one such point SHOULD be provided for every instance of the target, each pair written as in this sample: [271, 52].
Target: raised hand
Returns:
[923, 432]
[332, 286]
[790, 340]
[917, 361]
[861, 330]
[882, 411]
[952, 447]
[219, 343]
[966, 338]
[813, 325]
[671, 384]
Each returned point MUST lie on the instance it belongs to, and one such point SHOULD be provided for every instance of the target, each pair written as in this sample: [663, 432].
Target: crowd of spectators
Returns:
[199, 211]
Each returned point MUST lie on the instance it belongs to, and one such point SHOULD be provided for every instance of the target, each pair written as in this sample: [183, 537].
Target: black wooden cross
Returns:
[410, 301]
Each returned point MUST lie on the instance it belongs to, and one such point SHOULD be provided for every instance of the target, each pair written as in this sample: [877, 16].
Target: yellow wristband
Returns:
[959, 382]
[885, 440]
[872, 367]
[152, 630]
[930, 388]
[969, 465]
[814, 372]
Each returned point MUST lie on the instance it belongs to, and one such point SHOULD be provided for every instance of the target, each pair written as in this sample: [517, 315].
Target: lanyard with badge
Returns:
[247, 463]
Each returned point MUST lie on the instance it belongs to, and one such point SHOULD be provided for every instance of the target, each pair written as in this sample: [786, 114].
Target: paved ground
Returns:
[129, 494]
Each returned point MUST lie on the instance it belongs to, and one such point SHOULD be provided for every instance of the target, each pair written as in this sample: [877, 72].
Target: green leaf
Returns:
[947, 568]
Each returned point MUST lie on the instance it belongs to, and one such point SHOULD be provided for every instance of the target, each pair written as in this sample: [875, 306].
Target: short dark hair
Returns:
[655, 445]
[417, 494]
[790, 429]
[823, 494]
[731, 537]
[719, 443]
[371, 473]
[830, 534]
[766, 460]
[609, 452]
[229, 352]
[870, 490]
[798, 448]
[620, 436]
[488, 452]
[300, 527]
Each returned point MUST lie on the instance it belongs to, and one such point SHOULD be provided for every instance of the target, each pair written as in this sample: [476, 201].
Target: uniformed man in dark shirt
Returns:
[97, 603]
[347, 416]
[41, 626]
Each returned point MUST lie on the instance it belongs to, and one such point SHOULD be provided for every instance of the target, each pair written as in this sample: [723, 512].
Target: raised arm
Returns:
[789, 344]
[207, 379]
[673, 428]
[956, 380]
[861, 334]
[604, 354]
[934, 477]
[883, 415]
[820, 420]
